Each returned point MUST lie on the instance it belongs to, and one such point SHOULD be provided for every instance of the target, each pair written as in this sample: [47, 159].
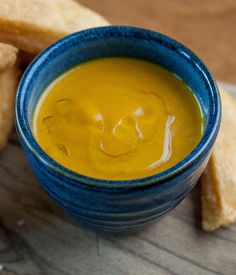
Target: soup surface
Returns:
[118, 118]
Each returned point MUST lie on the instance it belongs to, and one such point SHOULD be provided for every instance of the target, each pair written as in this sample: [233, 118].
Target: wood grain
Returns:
[36, 237]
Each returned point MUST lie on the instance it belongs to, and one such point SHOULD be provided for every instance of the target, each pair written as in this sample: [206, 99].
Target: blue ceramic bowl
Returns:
[106, 205]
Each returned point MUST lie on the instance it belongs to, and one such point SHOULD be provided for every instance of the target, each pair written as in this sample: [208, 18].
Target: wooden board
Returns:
[36, 238]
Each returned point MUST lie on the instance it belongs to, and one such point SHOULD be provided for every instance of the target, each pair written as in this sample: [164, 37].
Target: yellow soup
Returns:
[118, 118]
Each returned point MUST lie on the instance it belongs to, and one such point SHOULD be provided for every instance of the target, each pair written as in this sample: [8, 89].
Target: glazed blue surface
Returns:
[117, 206]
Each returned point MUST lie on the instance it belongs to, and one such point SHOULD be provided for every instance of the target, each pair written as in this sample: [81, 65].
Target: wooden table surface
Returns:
[35, 236]
[208, 27]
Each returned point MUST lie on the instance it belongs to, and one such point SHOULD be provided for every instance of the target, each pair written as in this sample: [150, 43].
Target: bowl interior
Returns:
[117, 41]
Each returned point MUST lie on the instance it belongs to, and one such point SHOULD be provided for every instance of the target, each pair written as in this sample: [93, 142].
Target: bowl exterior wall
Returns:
[121, 206]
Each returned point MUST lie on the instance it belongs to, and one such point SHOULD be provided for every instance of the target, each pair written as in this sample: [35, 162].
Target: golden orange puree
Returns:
[118, 118]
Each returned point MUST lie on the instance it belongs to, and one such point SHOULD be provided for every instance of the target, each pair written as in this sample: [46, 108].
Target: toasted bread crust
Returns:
[8, 55]
[219, 179]
[32, 25]
[8, 83]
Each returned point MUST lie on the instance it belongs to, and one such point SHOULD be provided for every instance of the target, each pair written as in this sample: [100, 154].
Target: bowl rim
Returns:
[206, 142]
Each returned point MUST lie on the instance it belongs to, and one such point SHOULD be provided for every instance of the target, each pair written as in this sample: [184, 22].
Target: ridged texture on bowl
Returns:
[117, 206]
[118, 209]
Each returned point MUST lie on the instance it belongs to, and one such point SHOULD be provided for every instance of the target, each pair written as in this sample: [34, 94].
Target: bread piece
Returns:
[32, 25]
[218, 181]
[9, 75]
[8, 55]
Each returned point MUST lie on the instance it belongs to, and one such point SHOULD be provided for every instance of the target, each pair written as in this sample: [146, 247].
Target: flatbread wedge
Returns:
[9, 76]
[32, 25]
[8, 55]
[218, 182]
